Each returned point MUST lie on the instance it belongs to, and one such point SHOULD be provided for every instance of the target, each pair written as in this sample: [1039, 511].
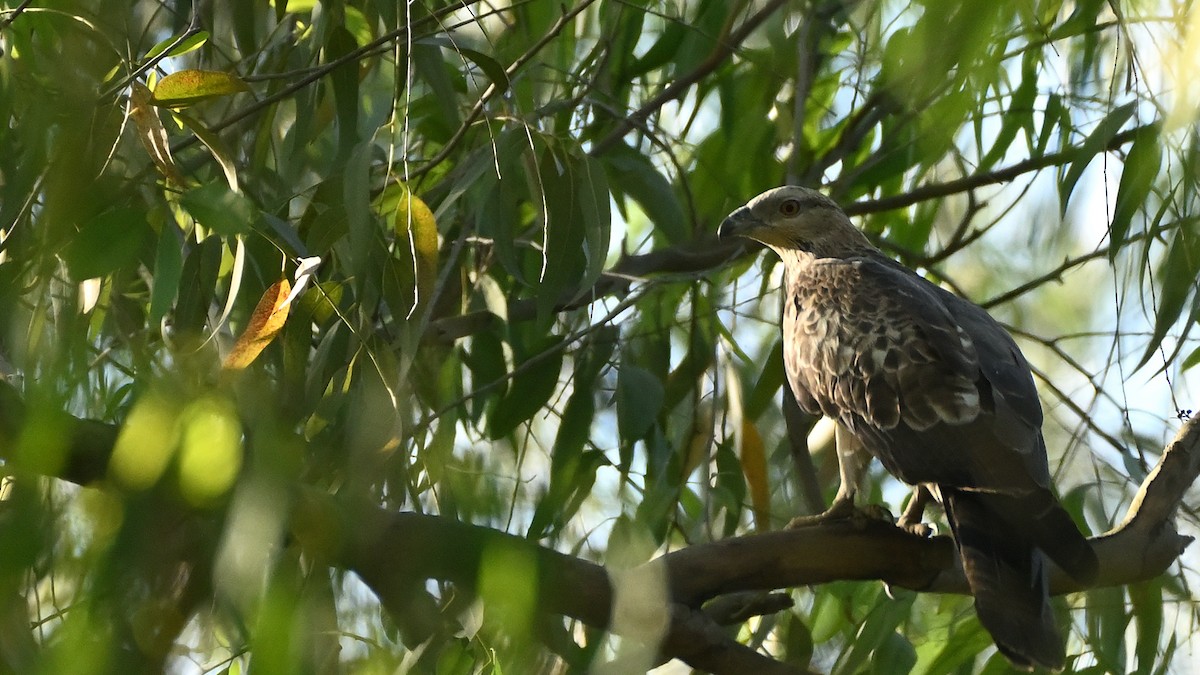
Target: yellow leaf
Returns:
[152, 133]
[183, 88]
[754, 467]
[417, 241]
[265, 323]
[210, 450]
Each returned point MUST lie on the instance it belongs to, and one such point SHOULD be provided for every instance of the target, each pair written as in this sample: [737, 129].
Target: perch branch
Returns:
[394, 553]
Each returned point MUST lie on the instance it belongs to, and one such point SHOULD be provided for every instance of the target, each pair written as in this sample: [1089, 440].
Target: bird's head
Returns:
[794, 218]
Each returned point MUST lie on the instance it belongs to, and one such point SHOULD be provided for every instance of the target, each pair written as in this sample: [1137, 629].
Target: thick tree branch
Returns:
[395, 553]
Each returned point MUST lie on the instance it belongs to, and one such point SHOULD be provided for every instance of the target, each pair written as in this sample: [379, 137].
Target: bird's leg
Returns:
[914, 513]
[852, 466]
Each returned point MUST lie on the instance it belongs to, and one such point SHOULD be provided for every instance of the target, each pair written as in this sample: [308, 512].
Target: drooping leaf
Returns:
[197, 285]
[187, 87]
[417, 245]
[1191, 360]
[769, 382]
[344, 81]
[592, 186]
[215, 146]
[754, 467]
[639, 398]
[1178, 277]
[265, 322]
[531, 387]
[576, 226]
[1141, 168]
[1018, 114]
[633, 174]
[151, 132]
[489, 66]
[1095, 143]
[1106, 624]
[1146, 599]
[168, 271]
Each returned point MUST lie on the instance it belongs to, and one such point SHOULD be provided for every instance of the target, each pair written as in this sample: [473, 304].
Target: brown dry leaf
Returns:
[754, 467]
[152, 133]
[265, 323]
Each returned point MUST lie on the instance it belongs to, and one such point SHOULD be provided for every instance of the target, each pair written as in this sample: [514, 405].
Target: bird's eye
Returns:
[789, 207]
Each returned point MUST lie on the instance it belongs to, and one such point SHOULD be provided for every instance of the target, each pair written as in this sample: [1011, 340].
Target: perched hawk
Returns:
[932, 386]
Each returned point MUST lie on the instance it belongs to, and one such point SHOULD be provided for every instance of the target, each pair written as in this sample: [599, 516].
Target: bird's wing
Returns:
[884, 350]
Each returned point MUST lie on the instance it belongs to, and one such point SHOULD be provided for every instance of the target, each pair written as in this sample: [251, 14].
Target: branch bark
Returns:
[395, 553]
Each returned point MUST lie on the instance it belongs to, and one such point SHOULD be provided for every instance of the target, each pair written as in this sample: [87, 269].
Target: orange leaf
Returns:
[265, 323]
[754, 466]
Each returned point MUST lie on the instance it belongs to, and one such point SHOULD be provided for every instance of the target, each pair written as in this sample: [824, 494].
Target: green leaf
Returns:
[1178, 279]
[592, 187]
[186, 87]
[1191, 360]
[770, 381]
[1018, 114]
[633, 174]
[1095, 143]
[490, 66]
[1141, 168]
[106, 243]
[1146, 600]
[663, 49]
[191, 43]
[576, 224]
[1106, 623]
[877, 627]
[168, 270]
[966, 640]
[221, 210]
[639, 398]
[895, 656]
[344, 81]
[198, 285]
[531, 387]
[215, 146]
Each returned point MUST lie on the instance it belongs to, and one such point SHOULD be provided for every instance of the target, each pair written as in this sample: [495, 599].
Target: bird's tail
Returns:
[1007, 575]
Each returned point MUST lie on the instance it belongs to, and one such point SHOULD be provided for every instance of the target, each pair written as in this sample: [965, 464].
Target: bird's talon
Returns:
[844, 510]
[923, 530]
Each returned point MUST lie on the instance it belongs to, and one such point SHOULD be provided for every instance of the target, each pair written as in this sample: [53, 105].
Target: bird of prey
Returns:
[937, 390]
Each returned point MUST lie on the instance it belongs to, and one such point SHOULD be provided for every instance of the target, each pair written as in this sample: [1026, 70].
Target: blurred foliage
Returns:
[518, 320]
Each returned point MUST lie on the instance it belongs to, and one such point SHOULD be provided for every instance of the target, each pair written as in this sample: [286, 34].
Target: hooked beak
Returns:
[740, 223]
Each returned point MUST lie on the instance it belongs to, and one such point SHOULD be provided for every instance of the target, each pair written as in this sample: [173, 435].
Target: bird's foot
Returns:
[914, 513]
[923, 530]
[844, 510]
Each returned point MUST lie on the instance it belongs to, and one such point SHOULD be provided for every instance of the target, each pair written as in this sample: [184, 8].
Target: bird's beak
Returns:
[740, 223]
